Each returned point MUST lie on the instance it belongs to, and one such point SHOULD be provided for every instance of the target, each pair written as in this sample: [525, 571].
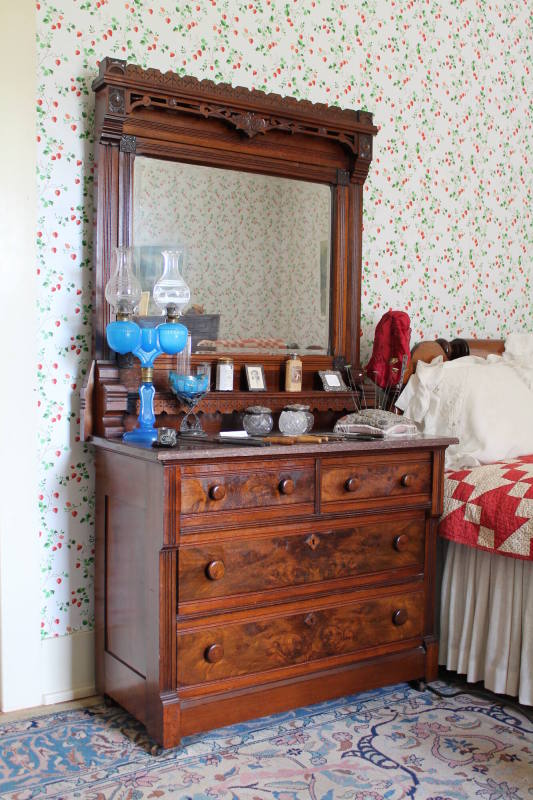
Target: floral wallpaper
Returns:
[252, 245]
[448, 203]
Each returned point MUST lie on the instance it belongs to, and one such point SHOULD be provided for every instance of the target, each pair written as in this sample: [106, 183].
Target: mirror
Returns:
[257, 253]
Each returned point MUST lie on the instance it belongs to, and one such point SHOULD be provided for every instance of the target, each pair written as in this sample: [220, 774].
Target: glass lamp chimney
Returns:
[170, 292]
[123, 290]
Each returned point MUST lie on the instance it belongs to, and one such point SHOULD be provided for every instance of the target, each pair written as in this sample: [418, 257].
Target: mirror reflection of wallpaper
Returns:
[254, 245]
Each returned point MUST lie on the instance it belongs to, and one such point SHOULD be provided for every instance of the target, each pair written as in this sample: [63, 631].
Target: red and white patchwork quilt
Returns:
[491, 507]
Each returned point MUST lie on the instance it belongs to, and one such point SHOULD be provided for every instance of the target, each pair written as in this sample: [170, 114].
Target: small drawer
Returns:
[299, 556]
[355, 484]
[240, 648]
[255, 487]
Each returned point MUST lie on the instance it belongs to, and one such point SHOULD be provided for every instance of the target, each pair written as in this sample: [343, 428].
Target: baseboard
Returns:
[65, 696]
[68, 667]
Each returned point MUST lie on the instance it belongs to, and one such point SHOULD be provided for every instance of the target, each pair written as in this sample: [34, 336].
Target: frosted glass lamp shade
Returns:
[123, 290]
[170, 292]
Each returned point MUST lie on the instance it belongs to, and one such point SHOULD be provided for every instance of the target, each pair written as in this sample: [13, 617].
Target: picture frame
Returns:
[255, 377]
[332, 381]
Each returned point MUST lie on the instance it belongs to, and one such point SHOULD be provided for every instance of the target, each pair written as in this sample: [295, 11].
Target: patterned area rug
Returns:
[390, 743]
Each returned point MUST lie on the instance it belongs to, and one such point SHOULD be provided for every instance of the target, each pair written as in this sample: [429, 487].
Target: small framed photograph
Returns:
[332, 381]
[255, 377]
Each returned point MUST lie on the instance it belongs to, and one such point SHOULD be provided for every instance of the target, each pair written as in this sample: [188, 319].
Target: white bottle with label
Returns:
[224, 375]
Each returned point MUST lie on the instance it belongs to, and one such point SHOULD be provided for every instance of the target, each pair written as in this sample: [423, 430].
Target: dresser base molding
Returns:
[179, 717]
[215, 711]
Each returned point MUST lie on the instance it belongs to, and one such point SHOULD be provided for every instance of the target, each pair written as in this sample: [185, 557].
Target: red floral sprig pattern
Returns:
[448, 230]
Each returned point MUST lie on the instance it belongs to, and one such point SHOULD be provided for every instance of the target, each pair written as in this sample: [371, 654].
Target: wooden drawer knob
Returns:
[311, 620]
[401, 542]
[351, 484]
[217, 492]
[286, 486]
[215, 570]
[400, 616]
[214, 653]
[406, 480]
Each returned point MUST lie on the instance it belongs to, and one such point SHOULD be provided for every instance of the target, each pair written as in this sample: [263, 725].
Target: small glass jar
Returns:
[296, 419]
[224, 375]
[257, 420]
[204, 368]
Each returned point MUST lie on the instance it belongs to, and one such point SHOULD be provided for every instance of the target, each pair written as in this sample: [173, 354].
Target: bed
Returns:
[485, 398]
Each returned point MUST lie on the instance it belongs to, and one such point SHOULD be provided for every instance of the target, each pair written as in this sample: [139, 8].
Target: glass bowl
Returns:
[295, 419]
[188, 387]
[257, 420]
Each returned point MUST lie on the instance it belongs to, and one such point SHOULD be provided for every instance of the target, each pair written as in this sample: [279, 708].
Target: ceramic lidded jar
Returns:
[257, 420]
[296, 419]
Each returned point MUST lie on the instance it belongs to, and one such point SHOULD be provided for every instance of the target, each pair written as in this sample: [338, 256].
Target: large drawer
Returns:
[265, 643]
[236, 564]
[258, 489]
[356, 483]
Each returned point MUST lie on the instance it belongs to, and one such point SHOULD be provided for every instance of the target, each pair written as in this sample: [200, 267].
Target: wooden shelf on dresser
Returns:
[233, 582]
[228, 402]
[110, 395]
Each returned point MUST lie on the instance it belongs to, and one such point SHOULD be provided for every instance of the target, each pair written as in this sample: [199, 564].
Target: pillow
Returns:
[519, 350]
[519, 345]
[486, 403]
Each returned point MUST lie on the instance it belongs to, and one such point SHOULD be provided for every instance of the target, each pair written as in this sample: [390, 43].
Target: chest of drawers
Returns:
[230, 585]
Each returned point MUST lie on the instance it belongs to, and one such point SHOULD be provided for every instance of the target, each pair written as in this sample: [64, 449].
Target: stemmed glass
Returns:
[190, 389]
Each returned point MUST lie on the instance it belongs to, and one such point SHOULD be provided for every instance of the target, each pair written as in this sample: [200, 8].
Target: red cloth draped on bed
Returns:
[491, 507]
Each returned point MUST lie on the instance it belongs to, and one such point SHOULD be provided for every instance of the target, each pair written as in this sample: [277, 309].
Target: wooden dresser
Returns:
[234, 582]
[237, 582]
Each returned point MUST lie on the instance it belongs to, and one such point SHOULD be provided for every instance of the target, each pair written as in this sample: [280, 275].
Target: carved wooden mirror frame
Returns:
[148, 113]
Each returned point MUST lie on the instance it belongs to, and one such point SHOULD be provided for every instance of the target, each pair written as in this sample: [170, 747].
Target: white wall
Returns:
[20, 599]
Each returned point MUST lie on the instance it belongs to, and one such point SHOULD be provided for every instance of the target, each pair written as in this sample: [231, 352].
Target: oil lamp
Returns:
[123, 293]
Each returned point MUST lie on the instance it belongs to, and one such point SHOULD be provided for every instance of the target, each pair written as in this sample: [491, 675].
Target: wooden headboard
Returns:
[427, 351]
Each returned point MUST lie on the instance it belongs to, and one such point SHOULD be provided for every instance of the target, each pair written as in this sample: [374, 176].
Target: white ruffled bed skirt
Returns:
[486, 620]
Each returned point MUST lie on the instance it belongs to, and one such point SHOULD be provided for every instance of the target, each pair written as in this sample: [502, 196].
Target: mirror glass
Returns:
[257, 253]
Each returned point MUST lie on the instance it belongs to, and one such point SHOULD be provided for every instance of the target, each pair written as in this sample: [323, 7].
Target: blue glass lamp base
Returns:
[140, 436]
[145, 433]
[125, 336]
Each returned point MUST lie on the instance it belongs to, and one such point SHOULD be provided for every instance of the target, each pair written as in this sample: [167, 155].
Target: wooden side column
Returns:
[110, 401]
[431, 639]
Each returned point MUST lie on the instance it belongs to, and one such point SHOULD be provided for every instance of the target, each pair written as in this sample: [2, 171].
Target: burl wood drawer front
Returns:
[354, 483]
[236, 649]
[310, 554]
[256, 486]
